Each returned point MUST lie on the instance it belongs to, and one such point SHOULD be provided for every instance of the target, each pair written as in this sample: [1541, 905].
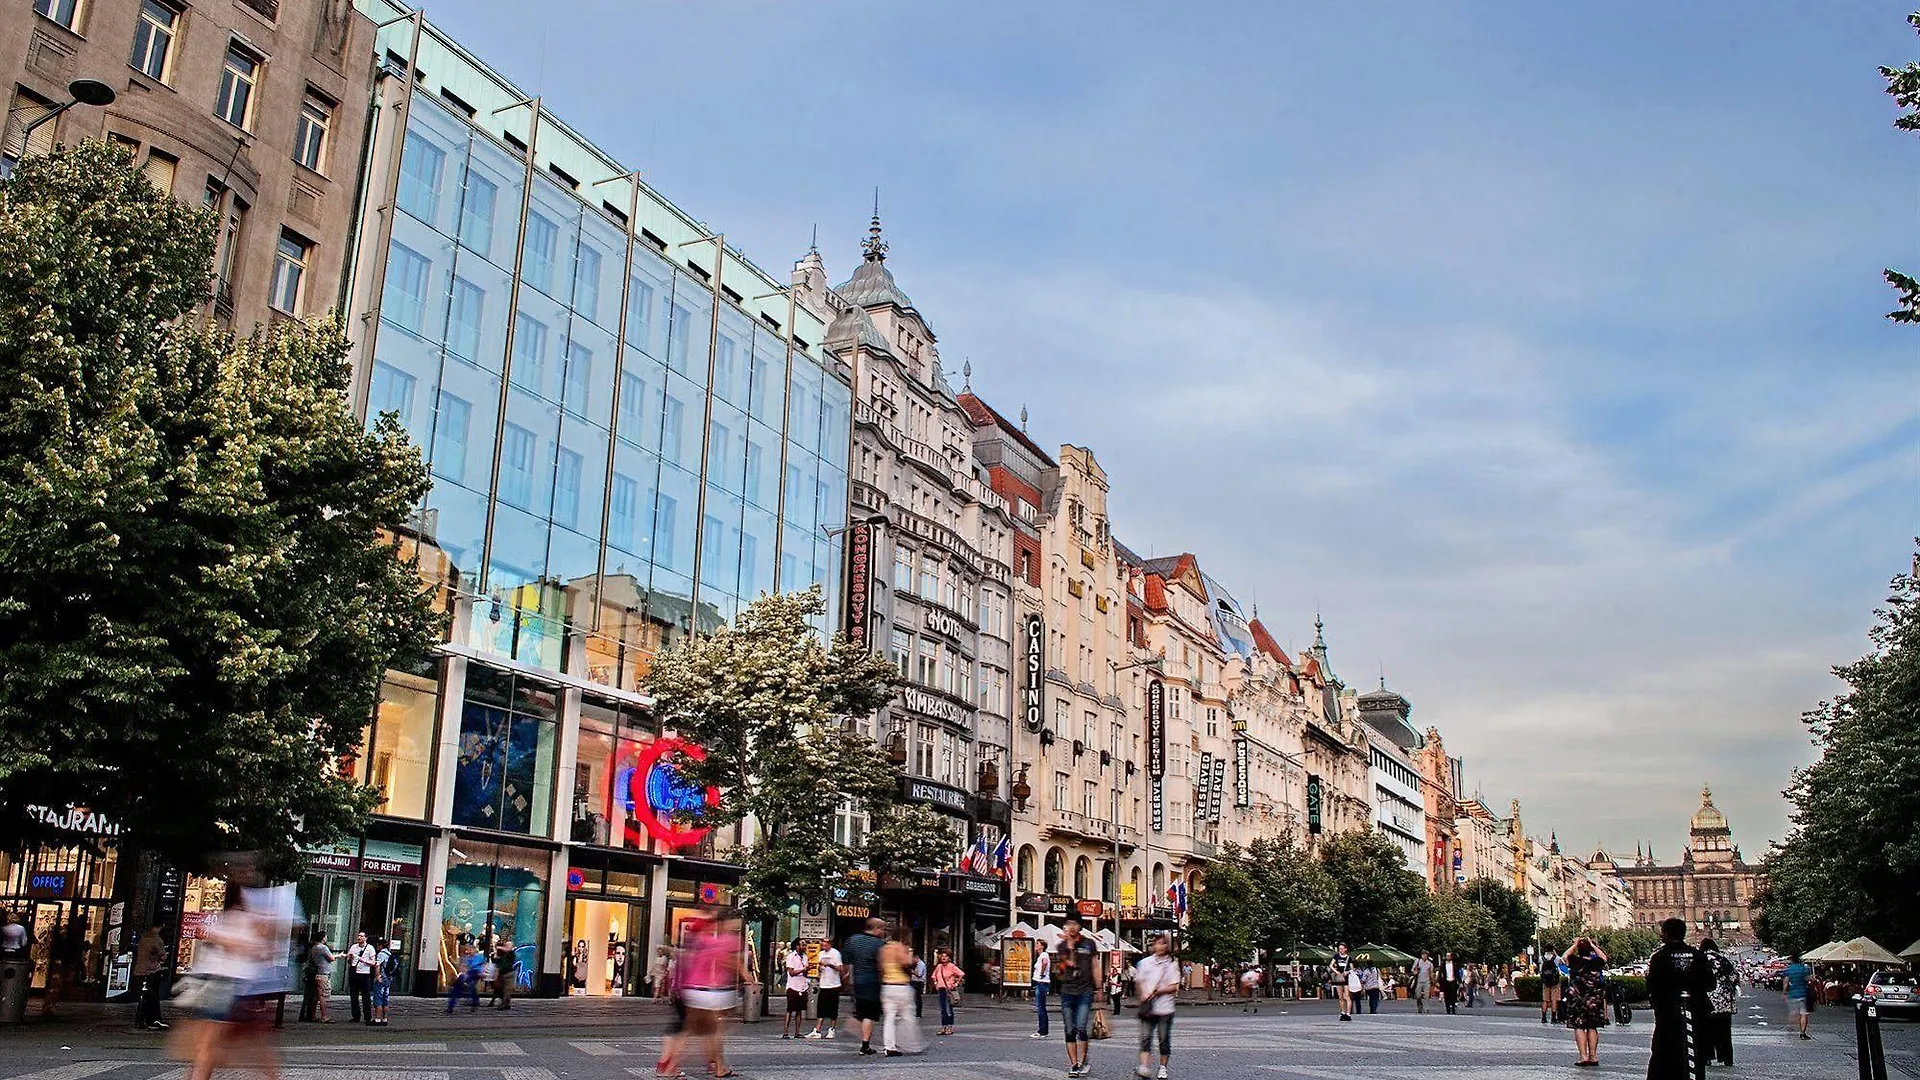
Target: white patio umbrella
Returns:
[1862, 950]
[1911, 952]
[1820, 953]
[1109, 942]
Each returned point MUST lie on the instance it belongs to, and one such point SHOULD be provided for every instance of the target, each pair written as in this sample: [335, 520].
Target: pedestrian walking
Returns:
[833, 972]
[466, 978]
[992, 972]
[863, 962]
[1724, 999]
[1075, 965]
[1042, 979]
[386, 972]
[1450, 983]
[320, 959]
[1679, 980]
[1585, 1000]
[149, 965]
[900, 1032]
[240, 962]
[1345, 980]
[1469, 984]
[360, 957]
[506, 973]
[1370, 985]
[794, 963]
[67, 967]
[917, 978]
[1156, 985]
[948, 980]
[1795, 982]
[1549, 988]
[1422, 981]
[13, 936]
[712, 985]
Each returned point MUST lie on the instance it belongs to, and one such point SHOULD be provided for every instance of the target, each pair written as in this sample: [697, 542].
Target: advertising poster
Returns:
[1016, 962]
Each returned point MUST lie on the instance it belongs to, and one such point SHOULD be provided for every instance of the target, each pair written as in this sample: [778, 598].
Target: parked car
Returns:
[1893, 990]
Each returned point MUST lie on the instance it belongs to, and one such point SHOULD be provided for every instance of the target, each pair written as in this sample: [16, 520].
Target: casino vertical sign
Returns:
[860, 585]
[1033, 639]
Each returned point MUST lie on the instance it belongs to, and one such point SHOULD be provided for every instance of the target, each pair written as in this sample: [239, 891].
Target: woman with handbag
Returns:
[947, 979]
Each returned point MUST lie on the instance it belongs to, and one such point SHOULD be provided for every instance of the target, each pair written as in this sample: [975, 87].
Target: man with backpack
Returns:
[386, 974]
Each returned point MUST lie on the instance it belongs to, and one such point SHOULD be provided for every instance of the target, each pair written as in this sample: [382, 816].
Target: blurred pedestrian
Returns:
[712, 985]
[149, 970]
[1470, 984]
[1585, 1000]
[1422, 981]
[506, 973]
[947, 979]
[901, 1028]
[466, 978]
[992, 972]
[1156, 983]
[239, 966]
[1340, 972]
[863, 963]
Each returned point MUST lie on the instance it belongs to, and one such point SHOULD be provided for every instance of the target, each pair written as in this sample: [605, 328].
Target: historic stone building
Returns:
[1399, 807]
[930, 553]
[1712, 887]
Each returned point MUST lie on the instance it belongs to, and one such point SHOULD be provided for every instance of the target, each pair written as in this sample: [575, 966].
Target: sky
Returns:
[1538, 347]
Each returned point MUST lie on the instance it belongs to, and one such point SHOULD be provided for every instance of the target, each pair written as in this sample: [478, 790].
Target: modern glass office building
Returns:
[632, 431]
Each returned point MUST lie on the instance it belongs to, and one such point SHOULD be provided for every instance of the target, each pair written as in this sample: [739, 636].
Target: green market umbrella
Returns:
[1381, 954]
[1310, 954]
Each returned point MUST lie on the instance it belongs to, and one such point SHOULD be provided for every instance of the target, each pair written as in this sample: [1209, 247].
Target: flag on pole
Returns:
[1003, 857]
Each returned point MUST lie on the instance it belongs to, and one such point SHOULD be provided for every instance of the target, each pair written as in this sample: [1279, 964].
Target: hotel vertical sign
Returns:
[1034, 661]
[860, 585]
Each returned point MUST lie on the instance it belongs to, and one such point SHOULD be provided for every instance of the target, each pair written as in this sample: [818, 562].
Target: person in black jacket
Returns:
[1679, 978]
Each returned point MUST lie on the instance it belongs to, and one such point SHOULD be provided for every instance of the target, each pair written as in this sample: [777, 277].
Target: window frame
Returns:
[223, 101]
[302, 266]
[72, 24]
[153, 31]
[303, 126]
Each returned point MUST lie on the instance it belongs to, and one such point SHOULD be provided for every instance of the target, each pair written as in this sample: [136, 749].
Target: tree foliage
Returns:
[1851, 864]
[1229, 914]
[1513, 917]
[1904, 86]
[770, 703]
[1381, 901]
[196, 599]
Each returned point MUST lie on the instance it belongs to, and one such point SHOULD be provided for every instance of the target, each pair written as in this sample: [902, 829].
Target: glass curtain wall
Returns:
[597, 460]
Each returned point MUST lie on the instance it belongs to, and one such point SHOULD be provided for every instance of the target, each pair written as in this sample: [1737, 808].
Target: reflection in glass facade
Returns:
[606, 476]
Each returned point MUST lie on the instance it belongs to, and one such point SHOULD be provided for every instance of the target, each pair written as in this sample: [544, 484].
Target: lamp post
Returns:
[1154, 663]
[79, 92]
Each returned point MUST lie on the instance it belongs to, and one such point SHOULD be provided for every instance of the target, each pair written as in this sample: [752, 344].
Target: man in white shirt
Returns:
[796, 967]
[1042, 982]
[833, 971]
[362, 960]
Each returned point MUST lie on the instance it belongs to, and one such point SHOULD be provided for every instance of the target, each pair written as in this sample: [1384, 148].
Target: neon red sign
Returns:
[663, 799]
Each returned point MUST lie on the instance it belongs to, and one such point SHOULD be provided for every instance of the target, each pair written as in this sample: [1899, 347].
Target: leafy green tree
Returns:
[1454, 923]
[1904, 85]
[771, 705]
[1300, 899]
[1851, 864]
[1512, 915]
[1228, 915]
[197, 597]
[1381, 901]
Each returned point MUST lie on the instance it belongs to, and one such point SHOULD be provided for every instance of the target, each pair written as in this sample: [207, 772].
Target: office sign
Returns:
[1156, 729]
[1242, 782]
[1034, 663]
[860, 585]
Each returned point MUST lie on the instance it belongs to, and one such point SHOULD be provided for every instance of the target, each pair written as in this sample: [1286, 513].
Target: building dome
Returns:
[1708, 818]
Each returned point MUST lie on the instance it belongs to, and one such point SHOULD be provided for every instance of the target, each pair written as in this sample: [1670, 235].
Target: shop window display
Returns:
[397, 756]
[503, 775]
[494, 891]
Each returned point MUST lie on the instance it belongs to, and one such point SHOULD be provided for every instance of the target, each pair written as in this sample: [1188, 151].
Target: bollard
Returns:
[1866, 1037]
[16, 971]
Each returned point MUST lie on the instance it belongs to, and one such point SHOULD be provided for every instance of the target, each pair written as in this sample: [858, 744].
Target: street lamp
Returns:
[1155, 663]
[80, 92]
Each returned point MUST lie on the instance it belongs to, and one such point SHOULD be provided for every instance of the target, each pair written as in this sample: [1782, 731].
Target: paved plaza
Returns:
[560, 1040]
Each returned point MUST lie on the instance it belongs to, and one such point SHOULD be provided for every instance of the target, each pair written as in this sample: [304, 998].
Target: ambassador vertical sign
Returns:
[1034, 660]
[1157, 730]
[860, 585]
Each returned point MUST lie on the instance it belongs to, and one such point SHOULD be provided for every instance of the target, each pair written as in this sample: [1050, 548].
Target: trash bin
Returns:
[750, 1011]
[16, 974]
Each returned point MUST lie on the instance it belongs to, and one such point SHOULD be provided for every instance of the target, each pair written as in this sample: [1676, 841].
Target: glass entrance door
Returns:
[606, 940]
[388, 911]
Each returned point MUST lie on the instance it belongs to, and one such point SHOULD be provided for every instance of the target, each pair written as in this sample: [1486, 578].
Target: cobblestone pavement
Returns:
[549, 1041]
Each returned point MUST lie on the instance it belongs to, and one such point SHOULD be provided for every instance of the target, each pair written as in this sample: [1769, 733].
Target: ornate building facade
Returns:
[1712, 887]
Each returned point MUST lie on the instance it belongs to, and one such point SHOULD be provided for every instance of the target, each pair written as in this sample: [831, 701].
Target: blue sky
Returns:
[1538, 346]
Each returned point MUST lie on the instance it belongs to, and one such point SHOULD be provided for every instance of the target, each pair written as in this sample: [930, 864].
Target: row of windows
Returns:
[156, 38]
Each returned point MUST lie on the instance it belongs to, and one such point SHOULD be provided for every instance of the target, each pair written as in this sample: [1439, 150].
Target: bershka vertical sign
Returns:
[860, 585]
[1157, 730]
[1242, 784]
[1034, 661]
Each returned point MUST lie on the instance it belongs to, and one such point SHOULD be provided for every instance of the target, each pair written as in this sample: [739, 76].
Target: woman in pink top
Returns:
[947, 979]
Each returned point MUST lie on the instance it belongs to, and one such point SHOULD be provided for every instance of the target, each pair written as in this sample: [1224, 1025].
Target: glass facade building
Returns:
[632, 431]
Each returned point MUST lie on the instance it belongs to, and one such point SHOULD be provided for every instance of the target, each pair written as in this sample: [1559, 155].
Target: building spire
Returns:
[873, 245]
[1023, 419]
[813, 246]
[966, 373]
[1706, 795]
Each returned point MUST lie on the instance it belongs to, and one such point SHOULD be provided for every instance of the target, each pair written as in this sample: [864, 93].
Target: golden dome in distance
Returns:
[1708, 818]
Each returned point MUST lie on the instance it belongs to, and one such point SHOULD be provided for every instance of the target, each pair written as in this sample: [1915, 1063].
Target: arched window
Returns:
[1133, 877]
[1023, 869]
[1109, 887]
[1082, 876]
[1159, 884]
[1056, 870]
